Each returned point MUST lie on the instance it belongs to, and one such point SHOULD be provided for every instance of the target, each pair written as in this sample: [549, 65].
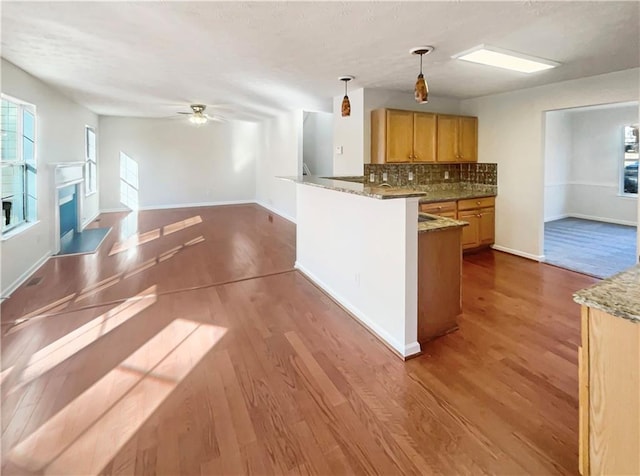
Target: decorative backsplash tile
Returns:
[430, 174]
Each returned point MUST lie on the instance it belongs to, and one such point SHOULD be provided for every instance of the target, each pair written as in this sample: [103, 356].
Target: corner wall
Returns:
[60, 130]
[511, 134]
[279, 155]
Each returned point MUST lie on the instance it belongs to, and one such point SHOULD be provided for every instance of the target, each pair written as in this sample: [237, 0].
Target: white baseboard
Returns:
[180, 205]
[605, 220]
[404, 350]
[86, 222]
[518, 253]
[114, 210]
[557, 217]
[6, 292]
[276, 211]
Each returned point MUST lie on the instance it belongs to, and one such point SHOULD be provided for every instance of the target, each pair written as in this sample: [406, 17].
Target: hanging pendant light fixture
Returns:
[346, 105]
[421, 90]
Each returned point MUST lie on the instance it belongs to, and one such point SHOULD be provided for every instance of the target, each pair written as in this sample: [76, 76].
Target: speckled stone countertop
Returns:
[376, 191]
[426, 193]
[618, 295]
[439, 223]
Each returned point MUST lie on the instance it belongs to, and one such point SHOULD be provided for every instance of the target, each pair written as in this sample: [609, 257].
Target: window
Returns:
[630, 161]
[91, 166]
[128, 181]
[18, 163]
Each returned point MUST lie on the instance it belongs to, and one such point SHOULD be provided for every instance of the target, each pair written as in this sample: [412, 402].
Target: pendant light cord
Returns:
[421, 54]
[345, 87]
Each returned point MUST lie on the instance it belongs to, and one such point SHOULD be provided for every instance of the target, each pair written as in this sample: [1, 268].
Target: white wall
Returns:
[354, 133]
[318, 142]
[348, 133]
[279, 155]
[60, 133]
[376, 280]
[179, 164]
[596, 165]
[511, 134]
[557, 166]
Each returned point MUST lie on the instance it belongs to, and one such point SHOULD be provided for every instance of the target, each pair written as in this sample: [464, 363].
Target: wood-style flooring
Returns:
[188, 345]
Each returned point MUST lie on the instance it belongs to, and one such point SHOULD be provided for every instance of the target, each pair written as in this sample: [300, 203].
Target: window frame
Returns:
[623, 161]
[30, 217]
[88, 190]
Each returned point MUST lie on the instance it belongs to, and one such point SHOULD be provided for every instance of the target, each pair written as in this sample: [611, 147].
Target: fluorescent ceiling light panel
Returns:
[505, 59]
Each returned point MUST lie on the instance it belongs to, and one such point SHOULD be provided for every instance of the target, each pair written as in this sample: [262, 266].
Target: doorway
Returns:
[317, 143]
[590, 193]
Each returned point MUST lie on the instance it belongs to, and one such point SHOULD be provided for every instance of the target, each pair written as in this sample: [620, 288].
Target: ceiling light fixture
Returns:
[421, 89]
[505, 59]
[346, 105]
[198, 117]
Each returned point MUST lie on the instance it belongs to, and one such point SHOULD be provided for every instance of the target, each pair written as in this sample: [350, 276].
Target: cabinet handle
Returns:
[478, 203]
[479, 215]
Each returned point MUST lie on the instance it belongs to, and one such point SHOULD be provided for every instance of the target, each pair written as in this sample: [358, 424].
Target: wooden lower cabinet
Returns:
[439, 281]
[480, 213]
[609, 393]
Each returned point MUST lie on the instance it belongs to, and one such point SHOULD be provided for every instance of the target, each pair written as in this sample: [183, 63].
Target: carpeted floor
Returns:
[82, 243]
[590, 247]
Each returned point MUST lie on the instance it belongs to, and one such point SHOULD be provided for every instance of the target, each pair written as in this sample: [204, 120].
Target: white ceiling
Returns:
[154, 58]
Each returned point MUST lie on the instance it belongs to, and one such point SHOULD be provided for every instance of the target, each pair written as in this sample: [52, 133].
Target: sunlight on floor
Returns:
[99, 286]
[60, 350]
[85, 435]
[140, 239]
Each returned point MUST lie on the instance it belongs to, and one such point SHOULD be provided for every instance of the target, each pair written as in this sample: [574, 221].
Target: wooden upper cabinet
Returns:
[399, 136]
[468, 141]
[448, 138]
[402, 136]
[457, 139]
[424, 137]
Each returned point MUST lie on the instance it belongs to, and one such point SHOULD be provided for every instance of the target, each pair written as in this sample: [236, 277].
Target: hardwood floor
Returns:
[200, 351]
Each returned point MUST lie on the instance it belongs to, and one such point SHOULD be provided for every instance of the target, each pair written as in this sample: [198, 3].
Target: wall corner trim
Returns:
[522, 254]
[6, 292]
[275, 210]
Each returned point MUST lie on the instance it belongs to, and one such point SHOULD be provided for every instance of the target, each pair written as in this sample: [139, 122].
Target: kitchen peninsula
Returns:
[364, 245]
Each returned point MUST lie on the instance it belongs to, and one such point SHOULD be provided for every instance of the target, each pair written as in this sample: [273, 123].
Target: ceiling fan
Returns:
[198, 117]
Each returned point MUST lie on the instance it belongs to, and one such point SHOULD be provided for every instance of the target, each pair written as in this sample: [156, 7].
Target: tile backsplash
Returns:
[428, 174]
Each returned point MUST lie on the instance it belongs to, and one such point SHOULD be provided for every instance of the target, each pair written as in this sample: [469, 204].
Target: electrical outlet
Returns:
[339, 150]
[410, 176]
[372, 177]
[384, 176]
[446, 175]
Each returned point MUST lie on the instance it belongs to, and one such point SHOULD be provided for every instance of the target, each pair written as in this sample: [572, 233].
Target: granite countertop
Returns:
[618, 295]
[438, 223]
[375, 191]
[426, 193]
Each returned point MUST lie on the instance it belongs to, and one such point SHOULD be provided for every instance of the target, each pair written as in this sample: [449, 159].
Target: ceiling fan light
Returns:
[421, 90]
[198, 119]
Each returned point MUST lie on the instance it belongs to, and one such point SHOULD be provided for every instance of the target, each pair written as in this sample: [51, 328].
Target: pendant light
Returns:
[421, 90]
[346, 105]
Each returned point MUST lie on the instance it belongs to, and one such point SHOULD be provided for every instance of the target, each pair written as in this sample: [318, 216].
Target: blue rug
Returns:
[590, 247]
[82, 243]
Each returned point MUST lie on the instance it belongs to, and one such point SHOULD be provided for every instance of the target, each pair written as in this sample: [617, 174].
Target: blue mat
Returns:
[82, 243]
[590, 247]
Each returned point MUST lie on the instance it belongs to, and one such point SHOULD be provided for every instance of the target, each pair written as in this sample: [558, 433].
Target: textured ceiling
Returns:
[154, 58]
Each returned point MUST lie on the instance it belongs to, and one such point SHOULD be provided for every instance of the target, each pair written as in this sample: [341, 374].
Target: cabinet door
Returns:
[470, 233]
[487, 225]
[424, 137]
[447, 138]
[468, 137]
[399, 136]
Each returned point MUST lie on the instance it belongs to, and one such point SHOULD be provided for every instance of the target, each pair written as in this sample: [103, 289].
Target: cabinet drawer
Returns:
[476, 203]
[437, 208]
